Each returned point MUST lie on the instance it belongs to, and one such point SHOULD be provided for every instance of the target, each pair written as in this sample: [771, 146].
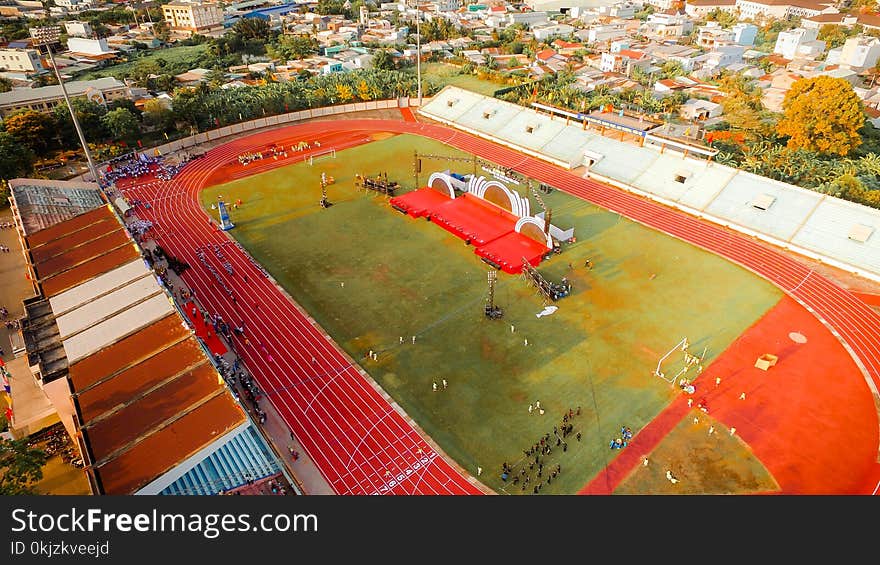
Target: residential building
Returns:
[74, 6]
[799, 43]
[783, 9]
[662, 4]
[744, 34]
[599, 33]
[545, 32]
[722, 57]
[528, 18]
[667, 26]
[700, 110]
[76, 28]
[196, 17]
[859, 53]
[624, 61]
[711, 34]
[26, 60]
[700, 8]
[89, 46]
[44, 99]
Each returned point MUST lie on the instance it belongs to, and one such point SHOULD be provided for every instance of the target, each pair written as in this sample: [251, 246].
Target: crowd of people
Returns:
[535, 457]
[133, 166]
[203, 259]
[622, 441]
[249, 157]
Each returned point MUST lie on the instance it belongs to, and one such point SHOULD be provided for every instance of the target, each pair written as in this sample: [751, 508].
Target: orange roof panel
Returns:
[158, 453]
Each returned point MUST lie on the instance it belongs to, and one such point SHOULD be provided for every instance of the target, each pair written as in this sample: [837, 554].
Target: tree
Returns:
[292, 47]
[16, 158]
[743, 108]
[157, 115]
[216, 77]
[383, 60]
[5, 84]
[31, 128]
[20, 467]
[833, 35]
[252, 29]
[122, 124]
[822, 114]
[88, 113]
[161, 31]
[724, 18]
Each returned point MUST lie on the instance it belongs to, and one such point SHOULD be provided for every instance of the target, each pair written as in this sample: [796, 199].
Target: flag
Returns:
[5, 383]
[140, 144]
[9, 414]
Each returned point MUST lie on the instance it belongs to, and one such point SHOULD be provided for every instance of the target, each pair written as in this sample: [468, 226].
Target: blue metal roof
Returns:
[245, 456]
[266, 13]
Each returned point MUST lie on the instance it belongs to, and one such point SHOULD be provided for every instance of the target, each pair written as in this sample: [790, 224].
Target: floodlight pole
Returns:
[419, 52]
[44, 36]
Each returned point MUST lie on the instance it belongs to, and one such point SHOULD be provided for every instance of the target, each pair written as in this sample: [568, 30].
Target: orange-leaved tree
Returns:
[822, 114]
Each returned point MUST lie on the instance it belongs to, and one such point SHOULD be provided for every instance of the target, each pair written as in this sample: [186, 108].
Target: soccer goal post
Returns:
[658, 372]
[329, 153]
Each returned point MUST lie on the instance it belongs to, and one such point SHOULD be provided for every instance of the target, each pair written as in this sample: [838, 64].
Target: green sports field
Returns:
[404, 277]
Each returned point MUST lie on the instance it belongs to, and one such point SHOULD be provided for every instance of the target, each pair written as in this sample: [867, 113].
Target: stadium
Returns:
[662, 325]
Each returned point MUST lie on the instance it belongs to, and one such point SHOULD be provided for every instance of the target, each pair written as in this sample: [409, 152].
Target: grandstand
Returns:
[823, 227]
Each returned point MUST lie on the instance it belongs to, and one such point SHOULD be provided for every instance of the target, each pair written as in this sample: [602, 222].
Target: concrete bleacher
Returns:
[830, 226]
[805, 221]
[780, 220]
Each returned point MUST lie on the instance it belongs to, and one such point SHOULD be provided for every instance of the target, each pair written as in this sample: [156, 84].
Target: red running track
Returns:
[359, 442]
[352, 433]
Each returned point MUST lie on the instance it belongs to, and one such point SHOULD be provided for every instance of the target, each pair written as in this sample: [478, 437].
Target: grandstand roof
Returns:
[839, 232]
[148, 397]
[43, 203]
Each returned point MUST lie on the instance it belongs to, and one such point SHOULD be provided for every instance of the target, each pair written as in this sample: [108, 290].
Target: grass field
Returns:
[442, 74]
[406, 277]
[184, 56]
[719, 463]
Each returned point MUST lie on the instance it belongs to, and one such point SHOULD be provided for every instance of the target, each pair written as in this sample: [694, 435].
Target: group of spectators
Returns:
[136, 165]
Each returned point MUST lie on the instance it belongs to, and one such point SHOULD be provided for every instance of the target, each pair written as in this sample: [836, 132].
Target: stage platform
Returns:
[508, 250]
[489, 228]
[419, 202]
[473, 219]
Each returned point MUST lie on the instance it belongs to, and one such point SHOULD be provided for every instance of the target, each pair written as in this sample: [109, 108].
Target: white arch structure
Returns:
[442, 183]
[539, 224]
[478, 186]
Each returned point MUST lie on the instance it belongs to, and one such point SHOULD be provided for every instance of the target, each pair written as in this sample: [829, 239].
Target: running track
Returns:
[346, 426]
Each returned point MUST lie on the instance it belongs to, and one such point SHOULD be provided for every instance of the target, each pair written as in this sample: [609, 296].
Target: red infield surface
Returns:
[362, 445]
[804, 418]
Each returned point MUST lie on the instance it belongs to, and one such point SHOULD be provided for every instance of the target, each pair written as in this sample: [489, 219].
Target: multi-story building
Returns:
[700, 8]
[196, 17]
[712, 34]
[667, 26]
[783, 9]
[859, 53]
[21, 60]
[44, 99]
[75, 5]
[798, 42]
